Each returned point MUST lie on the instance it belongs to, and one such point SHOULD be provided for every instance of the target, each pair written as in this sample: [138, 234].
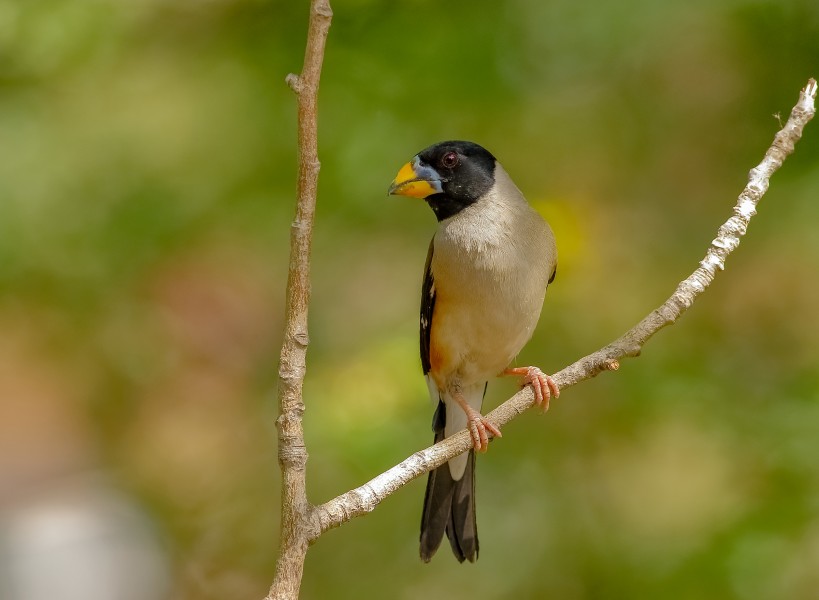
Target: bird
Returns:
[487, 269]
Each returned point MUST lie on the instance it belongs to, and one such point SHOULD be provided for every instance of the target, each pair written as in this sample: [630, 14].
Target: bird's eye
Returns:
[450, 160]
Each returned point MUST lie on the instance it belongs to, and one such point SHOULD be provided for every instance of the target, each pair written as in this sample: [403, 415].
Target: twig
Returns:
[365, 498]
[292, 452]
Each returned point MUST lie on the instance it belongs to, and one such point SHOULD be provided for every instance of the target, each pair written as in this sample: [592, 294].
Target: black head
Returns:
[449, 176]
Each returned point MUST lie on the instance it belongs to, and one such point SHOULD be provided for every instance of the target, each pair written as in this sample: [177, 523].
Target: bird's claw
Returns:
[543, 385]
[478, 426]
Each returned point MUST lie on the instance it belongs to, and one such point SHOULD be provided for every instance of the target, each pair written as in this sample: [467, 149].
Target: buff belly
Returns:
[487, 337]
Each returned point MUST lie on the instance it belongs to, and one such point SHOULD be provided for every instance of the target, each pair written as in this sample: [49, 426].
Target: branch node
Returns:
[746, 208]
[324, 10]
[302, 338]
[294, 81]
[295, 456]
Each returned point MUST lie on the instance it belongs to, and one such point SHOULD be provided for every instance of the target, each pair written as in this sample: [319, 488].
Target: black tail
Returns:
[449, 505]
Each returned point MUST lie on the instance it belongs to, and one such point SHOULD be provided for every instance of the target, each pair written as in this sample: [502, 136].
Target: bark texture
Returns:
[295, 509]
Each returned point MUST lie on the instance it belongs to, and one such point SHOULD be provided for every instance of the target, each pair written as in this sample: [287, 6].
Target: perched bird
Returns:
[485, 278]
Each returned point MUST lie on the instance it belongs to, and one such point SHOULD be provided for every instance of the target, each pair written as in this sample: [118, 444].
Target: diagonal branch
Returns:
[292, 365]
[365, 498]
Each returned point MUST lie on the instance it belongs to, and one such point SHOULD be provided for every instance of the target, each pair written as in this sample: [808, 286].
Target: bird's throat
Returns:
[445, 206]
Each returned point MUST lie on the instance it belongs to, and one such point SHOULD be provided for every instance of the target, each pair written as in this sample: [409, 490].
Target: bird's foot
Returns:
[543, 385]
[477, 424]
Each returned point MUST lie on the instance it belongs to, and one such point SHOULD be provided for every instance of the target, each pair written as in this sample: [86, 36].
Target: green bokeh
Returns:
[147, 181]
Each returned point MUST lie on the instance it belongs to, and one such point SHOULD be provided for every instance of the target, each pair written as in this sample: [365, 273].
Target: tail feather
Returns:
[449, 506]
[462, 529]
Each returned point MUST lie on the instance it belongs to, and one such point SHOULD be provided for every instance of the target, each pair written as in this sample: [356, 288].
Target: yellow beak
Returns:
[410, 182]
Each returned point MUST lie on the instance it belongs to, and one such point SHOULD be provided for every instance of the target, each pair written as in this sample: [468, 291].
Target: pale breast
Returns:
[491, 269]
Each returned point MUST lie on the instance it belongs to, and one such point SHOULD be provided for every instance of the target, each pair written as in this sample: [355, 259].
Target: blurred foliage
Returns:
[147, 179]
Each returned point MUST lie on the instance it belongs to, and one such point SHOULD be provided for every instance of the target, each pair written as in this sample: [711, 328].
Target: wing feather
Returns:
[427, 306]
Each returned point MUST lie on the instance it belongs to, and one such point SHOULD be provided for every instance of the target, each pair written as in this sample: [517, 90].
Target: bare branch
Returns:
[292, 365]
[366, 497]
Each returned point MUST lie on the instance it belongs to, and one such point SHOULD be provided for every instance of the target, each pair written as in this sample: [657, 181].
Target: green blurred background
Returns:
[147, 182]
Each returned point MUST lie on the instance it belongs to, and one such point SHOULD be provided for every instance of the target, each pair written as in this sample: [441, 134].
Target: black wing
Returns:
[427, 306]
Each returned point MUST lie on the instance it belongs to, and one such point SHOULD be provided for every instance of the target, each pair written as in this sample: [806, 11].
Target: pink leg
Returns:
[543, 385]
[477, 424]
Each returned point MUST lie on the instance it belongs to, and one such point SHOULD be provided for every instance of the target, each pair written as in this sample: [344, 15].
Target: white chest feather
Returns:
[491, 264]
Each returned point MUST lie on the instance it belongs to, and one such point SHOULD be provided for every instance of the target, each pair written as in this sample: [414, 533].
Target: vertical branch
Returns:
[292, 367]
